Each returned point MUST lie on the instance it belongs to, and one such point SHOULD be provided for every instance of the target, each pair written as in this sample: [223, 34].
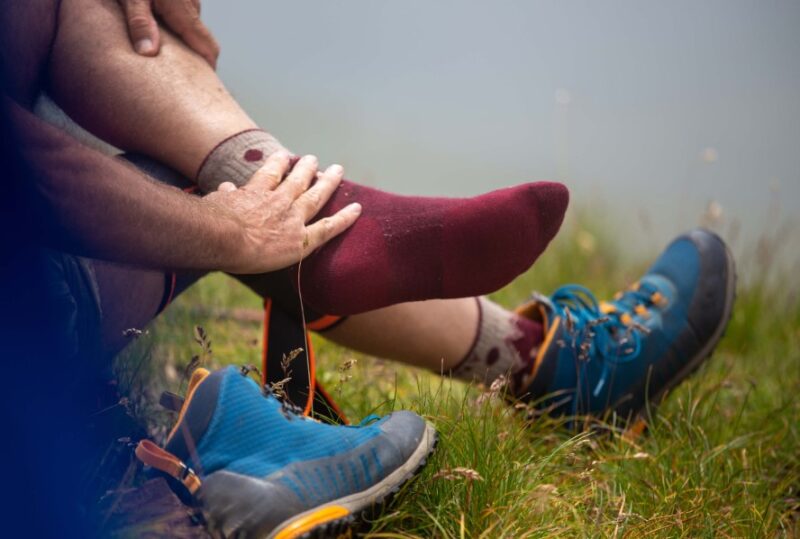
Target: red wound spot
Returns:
[253, 155]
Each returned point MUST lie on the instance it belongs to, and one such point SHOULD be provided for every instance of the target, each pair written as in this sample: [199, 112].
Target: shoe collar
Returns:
[541, 309]
[197, 377]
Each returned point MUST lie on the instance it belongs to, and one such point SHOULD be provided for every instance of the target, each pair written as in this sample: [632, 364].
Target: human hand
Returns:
[180, 16]
[272, 214]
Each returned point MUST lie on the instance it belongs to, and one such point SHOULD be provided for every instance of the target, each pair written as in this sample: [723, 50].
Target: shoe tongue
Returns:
[538, 311]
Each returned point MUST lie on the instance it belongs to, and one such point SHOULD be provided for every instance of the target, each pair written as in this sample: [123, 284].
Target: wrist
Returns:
[228, 249]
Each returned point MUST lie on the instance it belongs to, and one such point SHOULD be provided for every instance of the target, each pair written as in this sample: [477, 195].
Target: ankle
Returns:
[505, 345]
[236, 159]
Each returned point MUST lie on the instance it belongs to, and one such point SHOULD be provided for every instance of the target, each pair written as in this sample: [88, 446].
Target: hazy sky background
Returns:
[641, 108]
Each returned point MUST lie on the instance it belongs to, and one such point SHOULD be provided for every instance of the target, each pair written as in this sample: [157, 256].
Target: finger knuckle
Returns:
[189, 13]
[328, 227]
[278, 160]
[178, 15]
[269, 174]
[193, 17]
[139, 22]
[192, 9]
[314, 199]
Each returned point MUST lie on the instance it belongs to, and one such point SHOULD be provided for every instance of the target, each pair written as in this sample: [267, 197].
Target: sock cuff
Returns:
[502, 346]
[475, 339]
[490, 355]
[236, 158]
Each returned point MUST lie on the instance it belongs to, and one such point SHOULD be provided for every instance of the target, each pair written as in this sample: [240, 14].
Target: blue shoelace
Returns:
[608, 334]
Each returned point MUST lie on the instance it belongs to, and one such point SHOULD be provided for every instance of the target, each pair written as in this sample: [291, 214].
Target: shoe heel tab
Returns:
[164, 461]
[198, 375]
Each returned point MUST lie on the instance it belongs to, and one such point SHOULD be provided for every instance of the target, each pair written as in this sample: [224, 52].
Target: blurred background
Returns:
[658, 116]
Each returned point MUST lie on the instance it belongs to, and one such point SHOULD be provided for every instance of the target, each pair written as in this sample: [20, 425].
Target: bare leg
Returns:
[172, 108]
[434, 334]
[130, 298]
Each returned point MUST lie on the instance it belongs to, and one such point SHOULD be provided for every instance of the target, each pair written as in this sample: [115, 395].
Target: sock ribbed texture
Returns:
[416, 248]
[505, 345]
[236, 159]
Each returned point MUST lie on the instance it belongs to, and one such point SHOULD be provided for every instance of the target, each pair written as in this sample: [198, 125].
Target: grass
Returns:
[721, 457]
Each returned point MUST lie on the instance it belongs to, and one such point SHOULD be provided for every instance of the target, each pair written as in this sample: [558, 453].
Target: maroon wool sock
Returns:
[407, 248]
[415, 248]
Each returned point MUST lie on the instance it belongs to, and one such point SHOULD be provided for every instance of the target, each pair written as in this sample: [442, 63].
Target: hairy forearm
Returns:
[94, 205]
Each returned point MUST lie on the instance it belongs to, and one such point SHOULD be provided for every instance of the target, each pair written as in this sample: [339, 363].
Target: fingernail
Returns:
[144, 46]
[355, 207]
[311, 159]
[335, 169]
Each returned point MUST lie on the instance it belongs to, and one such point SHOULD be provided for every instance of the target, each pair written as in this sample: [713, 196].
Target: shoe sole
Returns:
[337, 518]
[639, 423]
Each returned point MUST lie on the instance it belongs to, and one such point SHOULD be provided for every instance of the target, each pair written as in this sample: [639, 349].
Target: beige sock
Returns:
[505, 345]
[236, 158]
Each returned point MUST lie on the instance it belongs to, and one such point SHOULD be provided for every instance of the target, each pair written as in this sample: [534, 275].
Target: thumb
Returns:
[142, 26]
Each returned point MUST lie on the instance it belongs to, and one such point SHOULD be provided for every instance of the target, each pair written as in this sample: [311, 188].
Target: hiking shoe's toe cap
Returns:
[404, 430]
[701, 268]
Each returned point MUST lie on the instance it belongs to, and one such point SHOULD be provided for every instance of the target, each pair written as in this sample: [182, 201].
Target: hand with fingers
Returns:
[273, 213]
[180, 16]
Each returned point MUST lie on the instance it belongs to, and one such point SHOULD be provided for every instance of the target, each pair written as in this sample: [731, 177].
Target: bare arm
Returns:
[94, 205]
[91, 204]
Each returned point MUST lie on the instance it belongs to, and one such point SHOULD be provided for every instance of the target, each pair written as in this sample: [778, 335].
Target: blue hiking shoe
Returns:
[610, 359]
[260, 470]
